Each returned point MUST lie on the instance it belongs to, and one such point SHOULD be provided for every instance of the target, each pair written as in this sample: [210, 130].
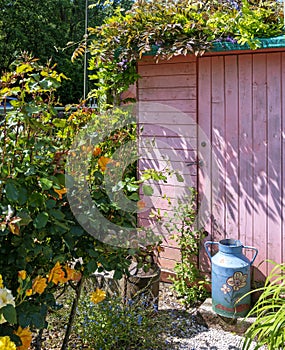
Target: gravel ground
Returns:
[189, 330]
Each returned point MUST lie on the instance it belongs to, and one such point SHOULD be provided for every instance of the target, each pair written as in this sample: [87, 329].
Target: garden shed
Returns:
[230, 104]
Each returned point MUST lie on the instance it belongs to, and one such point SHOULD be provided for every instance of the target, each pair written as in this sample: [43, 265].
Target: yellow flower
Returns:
[29, 292]
[97, 296]
[57, 274]
[26, 337]
[22, 274]
[103, 161]
[39, 284]
[1, 282]
[237, 281]
[6, 344]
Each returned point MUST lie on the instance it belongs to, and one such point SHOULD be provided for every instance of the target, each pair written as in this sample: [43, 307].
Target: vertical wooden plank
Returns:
[205, 151]
[260, 208]
[283, 155]
[274, 159]
[246, 205]
[232, 146]
[219, 144]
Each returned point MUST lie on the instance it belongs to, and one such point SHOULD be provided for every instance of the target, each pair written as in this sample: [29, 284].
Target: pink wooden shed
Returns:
[230, 104]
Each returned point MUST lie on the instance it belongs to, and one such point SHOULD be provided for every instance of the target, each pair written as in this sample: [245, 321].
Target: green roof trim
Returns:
[265, 43]
[219, 46]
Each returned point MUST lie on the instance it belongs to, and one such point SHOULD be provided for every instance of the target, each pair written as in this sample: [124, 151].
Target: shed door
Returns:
[241, 110]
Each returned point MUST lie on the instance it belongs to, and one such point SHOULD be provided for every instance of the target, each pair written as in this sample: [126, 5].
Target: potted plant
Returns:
[143, 275]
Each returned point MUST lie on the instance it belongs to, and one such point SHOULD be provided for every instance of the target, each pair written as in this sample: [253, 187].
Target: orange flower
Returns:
[97, 151]
[39, 284]
[29, 292]
[57, 275]
[97, 296]
[141, 204]
[26, 337]
[22, 274]
[103, 161]
[60, 192]
[72, 275]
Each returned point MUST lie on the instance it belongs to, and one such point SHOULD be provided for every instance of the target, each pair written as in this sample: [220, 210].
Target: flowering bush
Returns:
[43, 248]
[107, 323]
[11, 307]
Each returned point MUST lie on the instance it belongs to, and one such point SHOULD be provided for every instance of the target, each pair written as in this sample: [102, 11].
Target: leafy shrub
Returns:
[269, 327]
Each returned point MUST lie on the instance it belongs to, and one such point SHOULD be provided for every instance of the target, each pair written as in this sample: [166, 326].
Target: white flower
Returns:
[6, 297]
[225, 289]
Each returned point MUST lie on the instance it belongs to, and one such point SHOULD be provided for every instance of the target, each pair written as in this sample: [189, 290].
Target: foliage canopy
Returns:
[166, 28]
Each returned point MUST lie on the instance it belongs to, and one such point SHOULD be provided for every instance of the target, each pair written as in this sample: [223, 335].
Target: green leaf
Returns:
[91, 266]
[132, 187]
[134, 197]
[179, 177]
[25, 218]
[59, 123]
[46, 184]
[77, 231]
[22, 196]
[36, 200]
[41, 220]
[57, 214]
[147, 190]
[32, 315]
[118, 275]
[9, 313]
[12, 191]
[50, 203]
[47, 252]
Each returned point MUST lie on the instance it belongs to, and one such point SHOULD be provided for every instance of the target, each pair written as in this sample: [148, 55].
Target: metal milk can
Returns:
[230, 278]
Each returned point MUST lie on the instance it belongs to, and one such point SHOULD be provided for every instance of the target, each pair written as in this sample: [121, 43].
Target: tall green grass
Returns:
[269, 327]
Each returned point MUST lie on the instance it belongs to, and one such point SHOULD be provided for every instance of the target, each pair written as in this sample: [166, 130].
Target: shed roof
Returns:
[265, 43]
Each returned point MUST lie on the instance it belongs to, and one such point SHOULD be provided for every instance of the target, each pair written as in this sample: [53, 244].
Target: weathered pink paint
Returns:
[238, 100]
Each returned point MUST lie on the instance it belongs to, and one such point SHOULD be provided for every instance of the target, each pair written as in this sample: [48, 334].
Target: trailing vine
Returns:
[167, 28]
[189, 284]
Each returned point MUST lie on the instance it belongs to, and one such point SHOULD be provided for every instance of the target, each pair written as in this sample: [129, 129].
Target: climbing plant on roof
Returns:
[166, 28]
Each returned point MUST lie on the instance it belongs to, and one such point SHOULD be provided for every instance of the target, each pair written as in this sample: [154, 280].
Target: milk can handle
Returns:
[206, 247]
[255, 252]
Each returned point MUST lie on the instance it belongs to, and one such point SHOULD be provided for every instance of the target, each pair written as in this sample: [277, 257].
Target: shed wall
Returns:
[167, 92]
[238, 103]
